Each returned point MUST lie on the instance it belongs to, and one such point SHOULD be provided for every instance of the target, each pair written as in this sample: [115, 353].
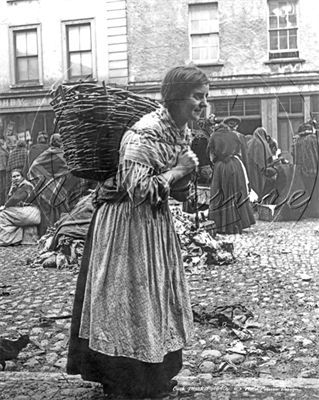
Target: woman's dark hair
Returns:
[21, 144]
[17, 170]
[179, 82]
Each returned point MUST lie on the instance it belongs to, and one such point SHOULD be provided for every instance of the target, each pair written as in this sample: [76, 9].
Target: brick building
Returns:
[262, 56]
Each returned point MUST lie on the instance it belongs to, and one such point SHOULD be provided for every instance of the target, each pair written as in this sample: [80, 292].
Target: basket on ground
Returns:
[91, 120]
[268, 213]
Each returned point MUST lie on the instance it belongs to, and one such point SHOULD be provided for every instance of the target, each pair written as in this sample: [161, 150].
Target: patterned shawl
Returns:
[149, 148]
[34, 152]
[52, 179]
[17, 159]
[4, 155]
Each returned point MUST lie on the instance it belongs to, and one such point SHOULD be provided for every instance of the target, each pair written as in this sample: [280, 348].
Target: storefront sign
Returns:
[277, 90]
[25, 102]
[24, 135]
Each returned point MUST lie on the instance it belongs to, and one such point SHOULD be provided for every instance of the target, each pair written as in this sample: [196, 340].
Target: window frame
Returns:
[288, 123]
[191, 34]
[314, 111]
[290, 114]
[13, 59]
[65, 48]
[231, 101]
[283, 53]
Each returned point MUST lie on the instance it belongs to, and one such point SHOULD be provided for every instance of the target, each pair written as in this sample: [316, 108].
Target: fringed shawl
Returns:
[148, 149]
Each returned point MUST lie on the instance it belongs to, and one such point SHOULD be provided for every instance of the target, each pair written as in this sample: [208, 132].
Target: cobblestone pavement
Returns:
[275, 276]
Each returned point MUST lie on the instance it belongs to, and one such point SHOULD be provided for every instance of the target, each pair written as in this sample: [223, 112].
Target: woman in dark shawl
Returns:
[260, 158]
[132, 314]
[306, 156]
[230, 207]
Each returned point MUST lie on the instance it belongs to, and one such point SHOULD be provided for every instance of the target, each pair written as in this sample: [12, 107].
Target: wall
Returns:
[158, 38]
[50, 14]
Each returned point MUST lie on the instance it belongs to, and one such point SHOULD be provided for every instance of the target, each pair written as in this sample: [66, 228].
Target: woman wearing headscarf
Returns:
[233, 122]
[260, 161]
[229, 207]
[306, 156]
[132, 314]
[53, 184]
[17, 159]
[15, 214]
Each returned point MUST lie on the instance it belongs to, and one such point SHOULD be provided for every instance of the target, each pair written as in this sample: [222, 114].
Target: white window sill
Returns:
[217, 63]
[27, 86]
[77, 81]
[285, 61]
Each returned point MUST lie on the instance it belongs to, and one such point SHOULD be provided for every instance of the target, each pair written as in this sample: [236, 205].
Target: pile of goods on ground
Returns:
[201, 246]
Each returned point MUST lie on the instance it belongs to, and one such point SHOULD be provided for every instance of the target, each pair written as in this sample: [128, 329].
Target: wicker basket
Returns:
[265, 213]
[91, 120]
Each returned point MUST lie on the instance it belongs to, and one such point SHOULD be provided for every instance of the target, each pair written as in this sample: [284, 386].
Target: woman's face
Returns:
[190, 108]
[16, 178]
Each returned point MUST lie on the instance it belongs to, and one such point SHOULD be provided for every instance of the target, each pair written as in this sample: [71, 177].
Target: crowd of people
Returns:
[132, 313]
[36, 187]
[246, 170]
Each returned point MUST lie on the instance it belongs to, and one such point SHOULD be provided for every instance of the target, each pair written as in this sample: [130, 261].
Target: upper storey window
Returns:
[204, 32]
[283, 29]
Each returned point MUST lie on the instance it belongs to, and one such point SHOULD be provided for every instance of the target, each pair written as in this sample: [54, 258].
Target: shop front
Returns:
[22, 116]
[279, 107]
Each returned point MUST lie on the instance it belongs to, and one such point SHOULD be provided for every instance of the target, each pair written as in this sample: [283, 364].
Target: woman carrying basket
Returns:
[132, 314]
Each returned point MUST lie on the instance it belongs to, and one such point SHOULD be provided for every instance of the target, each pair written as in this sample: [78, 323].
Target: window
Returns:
[290, 105]
[238, 107]
[249, 110]
[290, 116]
[79, 51]
[283, 29]
[26, 52]
[315, 107]
[204, 32]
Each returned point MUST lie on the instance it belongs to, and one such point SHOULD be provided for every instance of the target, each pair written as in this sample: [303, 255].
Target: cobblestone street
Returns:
[275, 276]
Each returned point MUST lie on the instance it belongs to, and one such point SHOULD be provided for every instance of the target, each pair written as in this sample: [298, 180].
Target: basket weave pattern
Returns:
[91, 120]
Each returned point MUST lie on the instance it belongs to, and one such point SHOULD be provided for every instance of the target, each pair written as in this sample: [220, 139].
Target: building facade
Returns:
[46, 43]
[262, 56]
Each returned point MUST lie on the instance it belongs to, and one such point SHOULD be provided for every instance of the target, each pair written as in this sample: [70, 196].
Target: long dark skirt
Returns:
[289, 193]
[311, 182]
[230, 207]
[118, 375]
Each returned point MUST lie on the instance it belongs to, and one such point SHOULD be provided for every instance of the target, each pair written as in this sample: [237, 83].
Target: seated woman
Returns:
[15, 214]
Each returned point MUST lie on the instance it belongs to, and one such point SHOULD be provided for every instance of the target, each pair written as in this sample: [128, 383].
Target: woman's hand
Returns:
[188, 161]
